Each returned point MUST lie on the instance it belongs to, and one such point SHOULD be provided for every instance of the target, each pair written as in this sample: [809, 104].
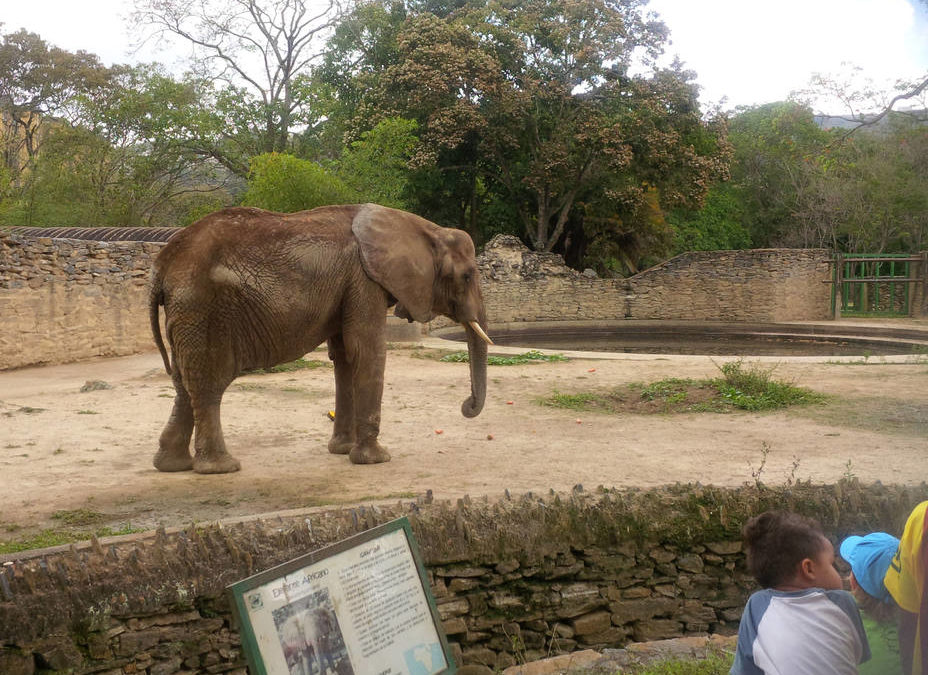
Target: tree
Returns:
[262, 50]
[526, 108]
[38, 84]
[376, 166]
[119, 161]
[776, 147]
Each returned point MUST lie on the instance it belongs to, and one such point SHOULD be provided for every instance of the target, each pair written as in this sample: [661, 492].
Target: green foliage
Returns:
[774, 146]
[292, 366]
[717, 226]
[531, 356]
[78, 517]
[713, 664]
[582, 401]
[286, 184]
[376, 165]
[744, 388]
[672, 390]
[55, 537]
[754, 389]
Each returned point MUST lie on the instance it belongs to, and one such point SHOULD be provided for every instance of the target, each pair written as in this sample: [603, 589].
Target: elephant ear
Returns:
[398, 251]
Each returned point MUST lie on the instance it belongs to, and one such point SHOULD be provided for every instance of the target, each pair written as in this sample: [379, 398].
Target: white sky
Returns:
[748, 51]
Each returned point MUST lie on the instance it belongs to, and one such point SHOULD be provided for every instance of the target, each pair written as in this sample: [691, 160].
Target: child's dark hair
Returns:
[776, 542]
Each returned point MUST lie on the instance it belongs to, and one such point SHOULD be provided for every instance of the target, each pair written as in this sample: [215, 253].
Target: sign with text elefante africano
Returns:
[359, 607]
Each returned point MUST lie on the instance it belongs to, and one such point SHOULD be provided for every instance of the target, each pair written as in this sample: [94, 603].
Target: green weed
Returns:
[531, 356]
[741, 388]
[755, 389]
[292, 366]
[78, 517]
[713, 664]
[52, 537]
[584, 401]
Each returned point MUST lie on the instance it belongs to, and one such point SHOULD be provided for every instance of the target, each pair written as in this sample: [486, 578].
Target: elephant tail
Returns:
[155, 300]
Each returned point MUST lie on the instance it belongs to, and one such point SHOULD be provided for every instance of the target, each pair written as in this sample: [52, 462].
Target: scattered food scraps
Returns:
[591, 370]
[439, 431]
[489, 437]
[508, 402]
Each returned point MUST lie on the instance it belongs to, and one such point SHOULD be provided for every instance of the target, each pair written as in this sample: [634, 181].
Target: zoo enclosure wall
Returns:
[513, 580]
[66, 300]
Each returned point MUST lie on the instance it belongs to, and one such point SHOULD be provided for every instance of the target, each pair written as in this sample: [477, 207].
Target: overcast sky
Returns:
[748, 51]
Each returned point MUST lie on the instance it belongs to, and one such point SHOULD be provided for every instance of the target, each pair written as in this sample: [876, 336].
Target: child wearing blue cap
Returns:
[802, 622]
[891, 573]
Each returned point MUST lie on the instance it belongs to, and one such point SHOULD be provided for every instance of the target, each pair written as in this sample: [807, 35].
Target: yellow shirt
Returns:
[905, 578]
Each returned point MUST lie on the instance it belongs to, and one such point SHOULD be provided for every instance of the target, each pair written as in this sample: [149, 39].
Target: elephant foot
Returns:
[340, 445]
[371, 453]
[224, 463]
[173, 461]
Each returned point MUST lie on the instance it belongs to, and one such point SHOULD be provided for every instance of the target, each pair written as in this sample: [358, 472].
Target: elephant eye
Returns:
[466, 277]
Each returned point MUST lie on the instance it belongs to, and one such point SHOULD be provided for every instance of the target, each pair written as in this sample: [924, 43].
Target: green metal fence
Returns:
[872, 284]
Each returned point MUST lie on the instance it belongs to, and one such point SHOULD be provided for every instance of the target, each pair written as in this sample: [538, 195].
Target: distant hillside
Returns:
[852, 122]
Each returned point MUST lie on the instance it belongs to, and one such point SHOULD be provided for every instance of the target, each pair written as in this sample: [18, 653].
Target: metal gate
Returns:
[873, 284]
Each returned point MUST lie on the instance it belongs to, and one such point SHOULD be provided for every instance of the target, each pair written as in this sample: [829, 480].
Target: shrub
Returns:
[286, 183]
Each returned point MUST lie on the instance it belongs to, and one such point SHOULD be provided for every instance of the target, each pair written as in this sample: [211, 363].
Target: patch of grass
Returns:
[292, 366]
[713, 664]
[755, 389]
[87, 412]
[672, 390]
[54, 537]
[583, 401]
[531, 356]
[78, 517]
[740, 388]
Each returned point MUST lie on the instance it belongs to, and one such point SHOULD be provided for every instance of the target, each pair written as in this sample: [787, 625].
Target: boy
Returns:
[802, 623]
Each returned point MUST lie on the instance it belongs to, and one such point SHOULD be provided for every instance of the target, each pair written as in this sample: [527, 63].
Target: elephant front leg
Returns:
[174, 445]
[211, 454]
[343, 437]
[368, 394]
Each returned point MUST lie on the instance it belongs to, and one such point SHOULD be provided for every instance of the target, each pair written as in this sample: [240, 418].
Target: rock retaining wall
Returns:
[66, 300]
[514, 581]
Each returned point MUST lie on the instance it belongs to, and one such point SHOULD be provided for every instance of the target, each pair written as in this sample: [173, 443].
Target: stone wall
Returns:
[514, 580]
[67, 300]
[768, 285]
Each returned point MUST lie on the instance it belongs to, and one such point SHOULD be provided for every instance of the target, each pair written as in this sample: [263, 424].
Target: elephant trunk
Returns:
[477, 357]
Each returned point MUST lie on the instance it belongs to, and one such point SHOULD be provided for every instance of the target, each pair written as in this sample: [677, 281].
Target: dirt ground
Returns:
[73, 458]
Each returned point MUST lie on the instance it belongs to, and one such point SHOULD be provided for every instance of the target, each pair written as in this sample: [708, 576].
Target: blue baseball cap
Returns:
[869, 557]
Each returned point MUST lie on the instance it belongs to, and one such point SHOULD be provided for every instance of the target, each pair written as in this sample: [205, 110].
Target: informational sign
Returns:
[359, 607]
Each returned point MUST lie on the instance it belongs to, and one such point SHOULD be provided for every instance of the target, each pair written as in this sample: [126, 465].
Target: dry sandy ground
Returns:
[87, 455]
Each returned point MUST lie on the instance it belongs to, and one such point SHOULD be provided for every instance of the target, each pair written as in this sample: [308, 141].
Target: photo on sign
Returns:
[310, 637]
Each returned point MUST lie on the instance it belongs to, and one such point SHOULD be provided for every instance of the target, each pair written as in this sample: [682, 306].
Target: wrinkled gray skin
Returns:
[244, 288]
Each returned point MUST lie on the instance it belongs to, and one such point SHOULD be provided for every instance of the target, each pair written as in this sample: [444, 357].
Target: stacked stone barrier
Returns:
[66, 299]
[514, 580]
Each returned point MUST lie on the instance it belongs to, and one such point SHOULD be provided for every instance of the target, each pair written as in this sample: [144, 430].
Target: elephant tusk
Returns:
[479, 331]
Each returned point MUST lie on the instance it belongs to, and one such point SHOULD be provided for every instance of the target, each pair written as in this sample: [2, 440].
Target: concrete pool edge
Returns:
[897, 331]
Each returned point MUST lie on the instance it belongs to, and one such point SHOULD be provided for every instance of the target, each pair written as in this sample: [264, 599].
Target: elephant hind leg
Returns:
[210, 446]
[174, 445]
[343, 435]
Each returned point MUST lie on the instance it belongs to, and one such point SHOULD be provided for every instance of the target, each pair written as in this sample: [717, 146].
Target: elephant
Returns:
[244, 288]
[306, 641]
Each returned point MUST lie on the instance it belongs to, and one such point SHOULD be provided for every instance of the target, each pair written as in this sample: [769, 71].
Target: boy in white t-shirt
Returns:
[802, 623]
